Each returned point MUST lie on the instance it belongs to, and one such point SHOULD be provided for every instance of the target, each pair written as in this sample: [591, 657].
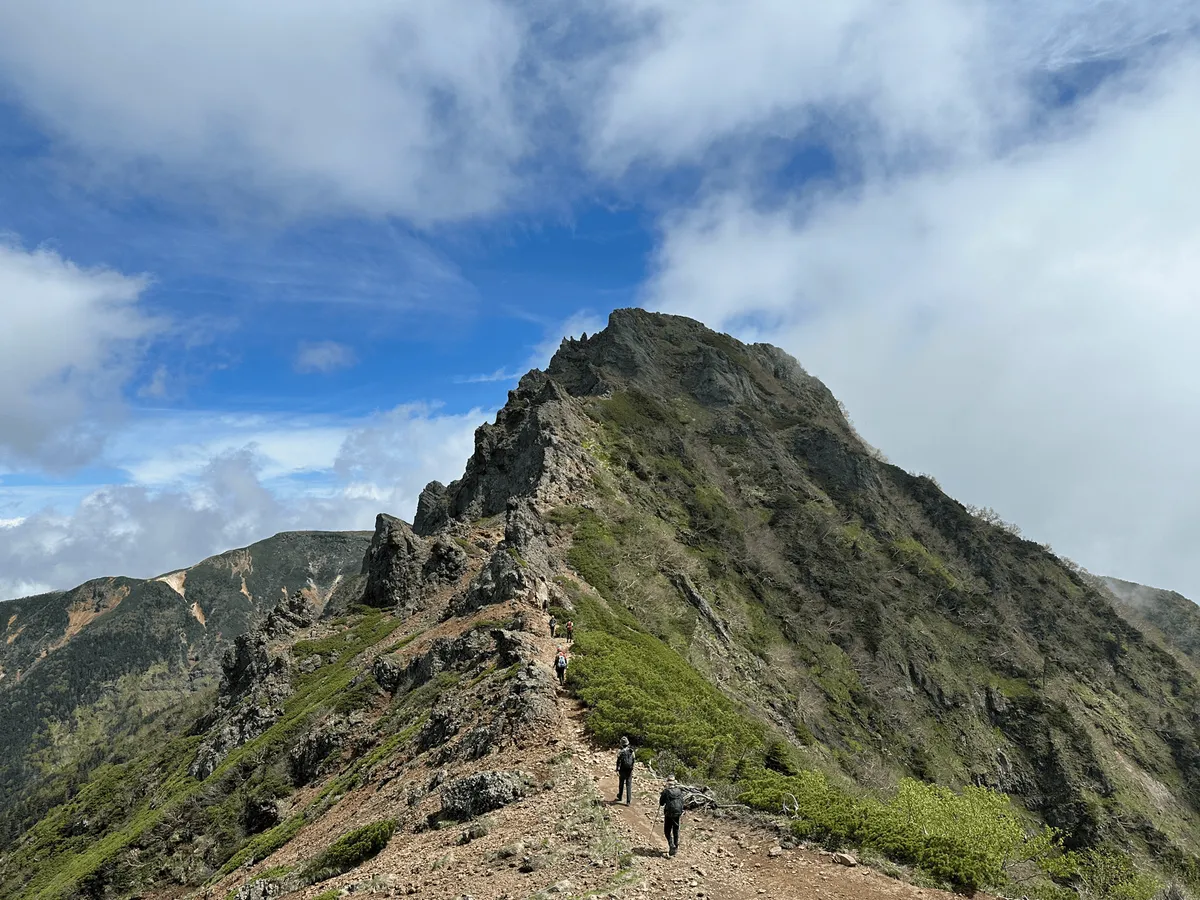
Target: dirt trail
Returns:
[582, 843]
[719, 857]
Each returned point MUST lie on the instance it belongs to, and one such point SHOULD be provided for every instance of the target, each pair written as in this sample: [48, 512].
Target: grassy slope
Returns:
[874, 619]
[144, 794]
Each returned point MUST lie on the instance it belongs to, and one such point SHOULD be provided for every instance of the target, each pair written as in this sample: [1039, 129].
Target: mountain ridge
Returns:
[763, 604]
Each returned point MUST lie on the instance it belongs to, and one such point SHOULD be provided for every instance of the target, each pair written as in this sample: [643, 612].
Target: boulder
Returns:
[474, 795]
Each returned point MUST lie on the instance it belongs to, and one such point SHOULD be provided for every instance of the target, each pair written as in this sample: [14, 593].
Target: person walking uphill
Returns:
[671, 800]
[560, 666]
[625, 772]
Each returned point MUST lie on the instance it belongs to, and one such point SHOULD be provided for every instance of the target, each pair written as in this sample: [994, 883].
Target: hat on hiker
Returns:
[670, 780]
[624, 742]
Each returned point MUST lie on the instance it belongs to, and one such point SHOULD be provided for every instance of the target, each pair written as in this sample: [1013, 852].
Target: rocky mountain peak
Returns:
[531, 449]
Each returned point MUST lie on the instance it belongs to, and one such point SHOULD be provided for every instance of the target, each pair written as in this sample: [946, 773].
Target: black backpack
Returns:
[625, 759]
[674, 804]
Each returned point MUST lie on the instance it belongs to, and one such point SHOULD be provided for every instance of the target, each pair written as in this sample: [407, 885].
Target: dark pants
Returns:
[671, 832]
[625, 786]
[562, 676]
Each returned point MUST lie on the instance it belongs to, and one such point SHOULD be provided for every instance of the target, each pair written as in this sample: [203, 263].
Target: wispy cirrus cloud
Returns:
[501, 374]
[323, 357]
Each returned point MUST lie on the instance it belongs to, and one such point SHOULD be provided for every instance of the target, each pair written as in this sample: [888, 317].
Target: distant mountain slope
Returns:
[1174, 617]
[64, 652]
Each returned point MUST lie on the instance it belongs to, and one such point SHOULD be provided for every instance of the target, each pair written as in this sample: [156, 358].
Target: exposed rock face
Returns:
[503, 579]
[402, 569]
[532, 450]
[433, 509]
[292, 614]
[242, 726]
[447, 563]
[530, 707]
[254, 684]
[394, 566]
[477, 794]
[446, 719]
[315, 747]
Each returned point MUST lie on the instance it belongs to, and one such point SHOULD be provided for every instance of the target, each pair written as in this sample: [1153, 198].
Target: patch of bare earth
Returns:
[98, 601]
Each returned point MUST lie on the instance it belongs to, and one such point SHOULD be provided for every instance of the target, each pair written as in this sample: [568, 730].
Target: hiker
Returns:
[560, 667]
[671, 800]
[625, 772]
[553, 626]
[571, 632]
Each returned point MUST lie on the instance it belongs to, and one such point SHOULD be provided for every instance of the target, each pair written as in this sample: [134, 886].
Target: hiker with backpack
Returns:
[560, 667]
[671, 801]
[553, 626]
[571, 632]
[625, 772]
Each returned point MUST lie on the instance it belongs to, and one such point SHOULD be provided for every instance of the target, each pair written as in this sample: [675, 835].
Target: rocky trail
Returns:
[569, 838]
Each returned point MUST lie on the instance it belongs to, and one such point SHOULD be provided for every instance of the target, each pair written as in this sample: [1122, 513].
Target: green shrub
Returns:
[358, 696]
[969, 839]
[1111, 875]
[592, 554]
[635, 685]
[350, 850]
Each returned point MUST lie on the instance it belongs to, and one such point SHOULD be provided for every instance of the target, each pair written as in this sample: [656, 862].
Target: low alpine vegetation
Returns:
[350, 850]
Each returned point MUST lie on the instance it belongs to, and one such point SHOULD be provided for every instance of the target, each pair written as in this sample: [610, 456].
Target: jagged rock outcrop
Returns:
[394, 566]
[444, 653]
[402, 569]
[532, 450]
[466, 798]
[254, 684]
[529, 708]
[287, 617]
[307, 756]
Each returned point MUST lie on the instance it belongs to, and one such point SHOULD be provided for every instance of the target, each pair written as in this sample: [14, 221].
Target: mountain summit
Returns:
[762, 604]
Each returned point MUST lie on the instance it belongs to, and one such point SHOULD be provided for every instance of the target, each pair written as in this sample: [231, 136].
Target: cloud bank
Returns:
[377, 106]
[229, 493]
[69, 342]
[1023, 328]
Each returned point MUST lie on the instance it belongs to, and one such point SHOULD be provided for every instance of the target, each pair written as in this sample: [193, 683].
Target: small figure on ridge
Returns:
[671, 800]
[560, 666]
[625, 772]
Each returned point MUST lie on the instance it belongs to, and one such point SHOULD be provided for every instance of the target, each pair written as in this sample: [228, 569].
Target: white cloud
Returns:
[323, 356]
[384, 106]
[68, 343]
[235, 496]
[1024, 328]
[501, 374]
[901, 77]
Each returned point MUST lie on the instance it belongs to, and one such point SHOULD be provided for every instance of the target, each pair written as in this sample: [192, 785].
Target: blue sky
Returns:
[267, 269]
